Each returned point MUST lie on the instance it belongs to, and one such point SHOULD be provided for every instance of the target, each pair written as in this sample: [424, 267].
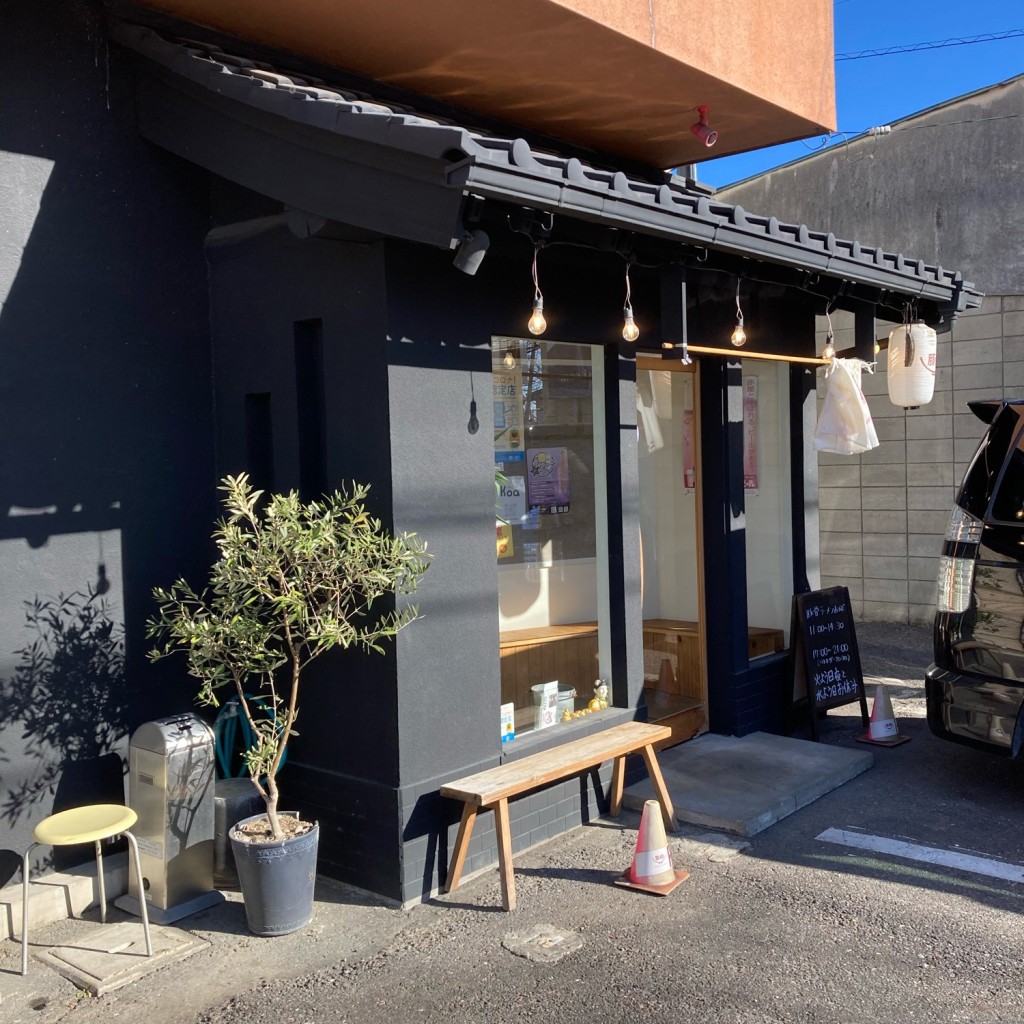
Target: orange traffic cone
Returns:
[652, 869]
[882, 725]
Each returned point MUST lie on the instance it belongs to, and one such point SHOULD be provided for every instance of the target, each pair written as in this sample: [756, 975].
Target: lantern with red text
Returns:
[912, 365]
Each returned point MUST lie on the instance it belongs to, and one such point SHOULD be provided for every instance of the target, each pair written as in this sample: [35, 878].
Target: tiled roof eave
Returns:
[458, 157]
[690, 228]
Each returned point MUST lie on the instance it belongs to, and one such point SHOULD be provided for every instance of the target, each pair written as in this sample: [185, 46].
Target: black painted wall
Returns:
[105, 412]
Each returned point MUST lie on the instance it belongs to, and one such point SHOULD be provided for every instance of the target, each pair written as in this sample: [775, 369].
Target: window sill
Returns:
[555, 735]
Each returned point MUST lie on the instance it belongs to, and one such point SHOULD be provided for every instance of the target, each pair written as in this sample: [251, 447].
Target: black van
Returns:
[975, 688]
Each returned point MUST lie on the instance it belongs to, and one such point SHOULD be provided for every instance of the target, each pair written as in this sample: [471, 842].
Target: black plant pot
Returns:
[277, 880]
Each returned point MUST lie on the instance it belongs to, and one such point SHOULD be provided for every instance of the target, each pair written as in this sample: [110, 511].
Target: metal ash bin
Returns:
[171, 777]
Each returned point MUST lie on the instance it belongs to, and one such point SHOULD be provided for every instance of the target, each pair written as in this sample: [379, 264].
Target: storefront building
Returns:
[635, 513]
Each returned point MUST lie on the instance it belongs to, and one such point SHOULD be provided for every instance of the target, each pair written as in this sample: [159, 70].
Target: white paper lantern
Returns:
[912, 365]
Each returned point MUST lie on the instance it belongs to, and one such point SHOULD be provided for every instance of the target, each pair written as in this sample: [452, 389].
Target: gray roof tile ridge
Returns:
[339, 110]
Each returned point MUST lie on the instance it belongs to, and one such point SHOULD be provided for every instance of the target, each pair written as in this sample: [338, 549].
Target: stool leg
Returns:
[142, 893]
[102, 881]
[24, 908]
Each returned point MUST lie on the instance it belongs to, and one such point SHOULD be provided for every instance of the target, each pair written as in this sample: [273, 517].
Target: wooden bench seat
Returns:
[492, 789]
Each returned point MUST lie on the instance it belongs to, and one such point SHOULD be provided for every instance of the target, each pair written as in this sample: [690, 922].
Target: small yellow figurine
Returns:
[601, 692]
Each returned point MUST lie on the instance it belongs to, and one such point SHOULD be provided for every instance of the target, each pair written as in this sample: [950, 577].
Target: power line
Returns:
[989, 37]
[826, 141]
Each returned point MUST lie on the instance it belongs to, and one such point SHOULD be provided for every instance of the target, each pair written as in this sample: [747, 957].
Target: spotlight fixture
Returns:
[471, 251]
[630, 331]
[703, 130]
[537, 324]
[739, 336]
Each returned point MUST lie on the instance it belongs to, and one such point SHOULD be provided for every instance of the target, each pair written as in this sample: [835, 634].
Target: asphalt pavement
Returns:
[789, 926]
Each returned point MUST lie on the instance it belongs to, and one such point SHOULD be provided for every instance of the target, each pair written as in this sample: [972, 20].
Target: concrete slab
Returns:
[108, 957]
[745, 784]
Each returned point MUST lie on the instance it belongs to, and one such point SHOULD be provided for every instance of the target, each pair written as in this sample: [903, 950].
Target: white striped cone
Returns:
[883, 723]
[652, 864]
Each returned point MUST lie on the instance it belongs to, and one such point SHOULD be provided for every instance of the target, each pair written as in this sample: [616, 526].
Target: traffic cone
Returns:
[882, 729]
[652, 869]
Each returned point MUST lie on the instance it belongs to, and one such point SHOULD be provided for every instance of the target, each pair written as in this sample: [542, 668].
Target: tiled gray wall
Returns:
[883, 513]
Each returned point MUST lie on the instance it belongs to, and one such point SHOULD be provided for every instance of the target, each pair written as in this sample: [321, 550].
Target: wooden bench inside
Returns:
[492, 789]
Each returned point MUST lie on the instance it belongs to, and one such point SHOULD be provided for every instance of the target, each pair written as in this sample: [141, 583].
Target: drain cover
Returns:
[543, 944]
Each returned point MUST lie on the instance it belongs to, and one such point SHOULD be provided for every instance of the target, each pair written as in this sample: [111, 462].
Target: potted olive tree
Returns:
[292, 581]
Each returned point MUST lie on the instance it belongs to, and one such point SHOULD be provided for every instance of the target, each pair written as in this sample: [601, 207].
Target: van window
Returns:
[1002, 438]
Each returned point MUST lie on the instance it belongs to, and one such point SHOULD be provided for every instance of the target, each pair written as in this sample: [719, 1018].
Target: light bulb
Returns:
[739, 336]
[630, 331]
[537, 324]
[474, 424]
[510, 359]
[828, 352]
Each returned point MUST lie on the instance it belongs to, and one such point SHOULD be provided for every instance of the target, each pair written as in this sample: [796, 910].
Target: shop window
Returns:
[549, 439]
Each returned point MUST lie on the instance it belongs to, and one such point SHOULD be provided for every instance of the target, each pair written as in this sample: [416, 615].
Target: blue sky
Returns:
[879, 90]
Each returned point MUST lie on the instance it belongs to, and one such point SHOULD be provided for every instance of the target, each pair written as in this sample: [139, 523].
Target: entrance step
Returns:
[745, 784]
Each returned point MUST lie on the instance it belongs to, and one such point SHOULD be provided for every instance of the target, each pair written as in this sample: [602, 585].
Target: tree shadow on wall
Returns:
[67, 696]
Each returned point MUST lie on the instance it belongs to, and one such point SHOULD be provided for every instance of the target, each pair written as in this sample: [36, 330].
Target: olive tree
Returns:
[292, 581]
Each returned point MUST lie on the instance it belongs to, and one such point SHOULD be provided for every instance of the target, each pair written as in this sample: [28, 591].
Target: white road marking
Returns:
[927, 854]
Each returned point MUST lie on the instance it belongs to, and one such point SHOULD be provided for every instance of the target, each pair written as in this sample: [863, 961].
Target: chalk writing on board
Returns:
[826, 663]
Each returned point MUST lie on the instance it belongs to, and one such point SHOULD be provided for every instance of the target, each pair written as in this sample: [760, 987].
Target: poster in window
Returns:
[507, 382]
[511, 500]
[547, 474]
[750, 476]
[506, 549]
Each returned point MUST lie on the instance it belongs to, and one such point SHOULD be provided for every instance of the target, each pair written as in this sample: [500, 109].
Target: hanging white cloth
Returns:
[845, 424]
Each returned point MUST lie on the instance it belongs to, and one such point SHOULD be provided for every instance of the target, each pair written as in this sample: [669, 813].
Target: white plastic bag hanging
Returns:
[845, 424]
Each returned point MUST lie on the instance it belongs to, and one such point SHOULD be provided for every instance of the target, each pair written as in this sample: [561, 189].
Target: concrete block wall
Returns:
[883, 514]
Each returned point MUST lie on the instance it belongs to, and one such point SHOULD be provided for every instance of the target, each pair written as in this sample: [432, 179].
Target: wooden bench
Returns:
[492, 789]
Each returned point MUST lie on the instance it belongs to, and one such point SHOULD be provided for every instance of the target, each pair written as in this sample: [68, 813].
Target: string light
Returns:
[739, 336]
[510, 359]
[537, 324]
[829, 351]
[630, 331]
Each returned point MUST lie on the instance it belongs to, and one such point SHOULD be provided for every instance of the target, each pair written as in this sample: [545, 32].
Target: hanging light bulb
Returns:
[510, 359]
[829, 351]
[630, 331]
[739, 336]
[537, 323]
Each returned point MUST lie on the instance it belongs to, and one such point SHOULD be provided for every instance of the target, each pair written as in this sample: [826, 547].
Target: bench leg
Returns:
[618, 781]
[661, 791]
[508, 882]
[461, 846]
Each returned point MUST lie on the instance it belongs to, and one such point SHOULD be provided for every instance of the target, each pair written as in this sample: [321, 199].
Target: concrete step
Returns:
[745, 784]
[61, 894]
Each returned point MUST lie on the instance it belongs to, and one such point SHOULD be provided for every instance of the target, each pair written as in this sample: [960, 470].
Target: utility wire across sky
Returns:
[988, 37]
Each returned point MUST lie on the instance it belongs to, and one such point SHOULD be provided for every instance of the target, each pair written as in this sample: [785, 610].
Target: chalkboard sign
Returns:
[825, 658]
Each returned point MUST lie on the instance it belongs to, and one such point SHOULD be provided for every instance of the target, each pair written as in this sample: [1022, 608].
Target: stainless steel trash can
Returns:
[171, 788]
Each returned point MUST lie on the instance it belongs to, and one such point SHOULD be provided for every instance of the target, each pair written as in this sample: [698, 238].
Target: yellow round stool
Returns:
[89, 824]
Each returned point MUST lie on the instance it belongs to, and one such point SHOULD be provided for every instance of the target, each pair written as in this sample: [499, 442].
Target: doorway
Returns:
[672, 567]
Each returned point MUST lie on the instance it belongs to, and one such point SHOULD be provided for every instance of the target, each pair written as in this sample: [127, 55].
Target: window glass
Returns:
[551, 530]
[767, 498]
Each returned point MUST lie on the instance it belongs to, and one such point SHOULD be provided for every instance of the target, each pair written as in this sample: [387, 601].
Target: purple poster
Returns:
[547, 474]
